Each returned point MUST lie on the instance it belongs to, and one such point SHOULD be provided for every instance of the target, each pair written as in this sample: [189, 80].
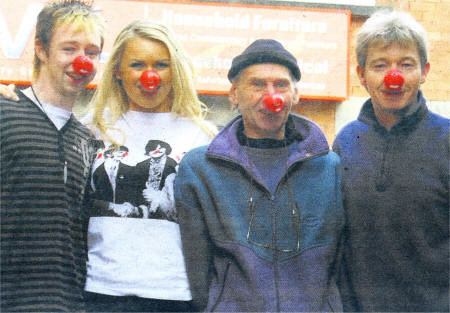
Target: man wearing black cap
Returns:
[260, 208]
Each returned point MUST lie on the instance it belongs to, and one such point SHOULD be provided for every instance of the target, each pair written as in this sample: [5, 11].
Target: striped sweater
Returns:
[43, 177]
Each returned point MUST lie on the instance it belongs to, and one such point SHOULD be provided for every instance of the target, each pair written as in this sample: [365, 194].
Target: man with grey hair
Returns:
[395, 177]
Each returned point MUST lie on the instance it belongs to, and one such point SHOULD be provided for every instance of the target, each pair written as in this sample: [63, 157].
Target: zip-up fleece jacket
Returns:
[280, 256]
[396, 199]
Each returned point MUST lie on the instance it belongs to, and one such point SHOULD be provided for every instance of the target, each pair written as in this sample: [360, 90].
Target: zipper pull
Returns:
[65, 172]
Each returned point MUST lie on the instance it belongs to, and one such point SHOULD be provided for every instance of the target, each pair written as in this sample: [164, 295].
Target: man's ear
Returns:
[425, 71]
[40, 51]
[232, 96]
[360, 72]
[296, 96]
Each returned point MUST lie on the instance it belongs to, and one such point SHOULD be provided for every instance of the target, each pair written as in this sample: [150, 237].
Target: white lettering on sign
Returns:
[13, 48]
[213, 62]
[260, 22]
[216, 20]
[314, 67]
[313, 85]
[212, 80]
[218, 39]
[5, 71]
[321, 45]
[212, 35]
[242, 21]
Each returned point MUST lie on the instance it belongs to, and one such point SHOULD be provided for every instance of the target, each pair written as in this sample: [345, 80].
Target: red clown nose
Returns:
[393, 80]
[82, 65]
[150, 80]
[274, 102]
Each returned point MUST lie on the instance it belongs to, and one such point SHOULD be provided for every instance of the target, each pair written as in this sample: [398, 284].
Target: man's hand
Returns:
[7, 91]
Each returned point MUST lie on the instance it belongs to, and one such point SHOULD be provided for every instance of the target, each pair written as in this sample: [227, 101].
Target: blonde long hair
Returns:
[111, 96]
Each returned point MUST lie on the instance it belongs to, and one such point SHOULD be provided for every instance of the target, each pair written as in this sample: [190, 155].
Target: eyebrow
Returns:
[142, 59]
[385, 58]
[74, 42]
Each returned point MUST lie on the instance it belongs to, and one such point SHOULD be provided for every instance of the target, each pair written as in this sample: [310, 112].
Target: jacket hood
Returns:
[310, 142]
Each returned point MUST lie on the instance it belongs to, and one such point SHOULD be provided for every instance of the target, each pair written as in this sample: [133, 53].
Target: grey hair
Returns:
[391, 27]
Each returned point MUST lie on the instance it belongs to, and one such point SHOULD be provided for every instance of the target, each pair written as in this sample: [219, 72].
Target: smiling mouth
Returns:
[75, 77]
[394, 92]
[269, 116]
[270, 113]
[149, 92]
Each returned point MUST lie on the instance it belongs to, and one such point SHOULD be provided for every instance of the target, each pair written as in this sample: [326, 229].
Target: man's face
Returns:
[119, 154]
[56, 65]
[381, 59]
[158, 152]
[248, 91]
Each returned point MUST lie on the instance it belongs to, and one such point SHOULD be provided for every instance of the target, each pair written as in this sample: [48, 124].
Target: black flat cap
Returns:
[264, 51]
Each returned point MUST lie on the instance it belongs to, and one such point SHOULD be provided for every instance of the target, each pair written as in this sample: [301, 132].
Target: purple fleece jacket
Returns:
[283, 257]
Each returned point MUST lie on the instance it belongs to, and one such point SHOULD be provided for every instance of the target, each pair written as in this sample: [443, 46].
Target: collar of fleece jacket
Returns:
[308, 138]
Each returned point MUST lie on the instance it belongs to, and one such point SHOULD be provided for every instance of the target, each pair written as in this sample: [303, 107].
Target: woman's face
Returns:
[140, 55]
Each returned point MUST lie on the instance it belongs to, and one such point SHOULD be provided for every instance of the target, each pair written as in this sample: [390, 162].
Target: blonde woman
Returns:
[135, 261]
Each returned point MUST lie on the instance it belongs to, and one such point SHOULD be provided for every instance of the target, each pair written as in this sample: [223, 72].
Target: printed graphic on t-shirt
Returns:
[135, 185]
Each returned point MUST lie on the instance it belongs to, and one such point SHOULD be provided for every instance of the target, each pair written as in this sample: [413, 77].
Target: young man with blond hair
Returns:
[45, 161]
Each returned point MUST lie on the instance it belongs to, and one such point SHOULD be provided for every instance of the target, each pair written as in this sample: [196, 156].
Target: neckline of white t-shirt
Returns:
[135, 119]
[57, 115]
[139, 116]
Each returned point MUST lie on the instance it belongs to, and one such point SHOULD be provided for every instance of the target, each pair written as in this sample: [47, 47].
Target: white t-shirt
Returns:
[57, 115]
[139, 254]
